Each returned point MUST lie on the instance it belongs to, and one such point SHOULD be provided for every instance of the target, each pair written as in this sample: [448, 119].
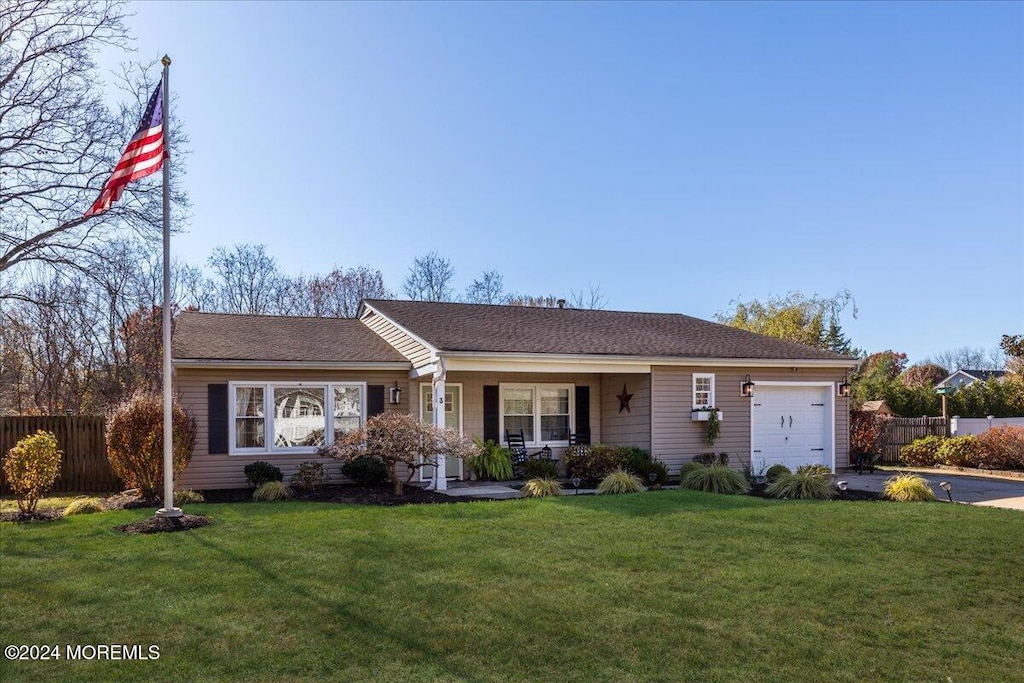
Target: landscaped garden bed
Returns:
[341, 493]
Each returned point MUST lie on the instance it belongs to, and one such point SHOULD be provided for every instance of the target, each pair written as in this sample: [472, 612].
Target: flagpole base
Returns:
[173, 512]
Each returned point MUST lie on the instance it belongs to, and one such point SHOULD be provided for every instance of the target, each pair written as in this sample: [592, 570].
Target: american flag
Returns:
[143, 155]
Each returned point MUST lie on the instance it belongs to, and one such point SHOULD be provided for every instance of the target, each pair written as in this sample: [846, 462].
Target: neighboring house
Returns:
[265, 387]
[963, 378]
[878, 407]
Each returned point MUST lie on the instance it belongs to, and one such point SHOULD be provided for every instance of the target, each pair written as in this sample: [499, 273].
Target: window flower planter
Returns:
[703, 415]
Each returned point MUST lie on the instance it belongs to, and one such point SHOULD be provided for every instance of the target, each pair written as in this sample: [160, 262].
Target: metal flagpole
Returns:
[168, 510]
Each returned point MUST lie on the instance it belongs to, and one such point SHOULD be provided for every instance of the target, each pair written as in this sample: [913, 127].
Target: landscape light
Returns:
[576, 481]
[842, 485]
[948, 488]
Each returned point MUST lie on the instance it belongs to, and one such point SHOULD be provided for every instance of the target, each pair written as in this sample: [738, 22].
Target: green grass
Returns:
[667, 586]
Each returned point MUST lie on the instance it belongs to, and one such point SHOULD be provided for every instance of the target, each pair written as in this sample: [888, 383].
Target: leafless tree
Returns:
[339, 292]
[488, 289]
[59, 141]
[591, 298]
[965, 357]
[247, 280]
[430, 279]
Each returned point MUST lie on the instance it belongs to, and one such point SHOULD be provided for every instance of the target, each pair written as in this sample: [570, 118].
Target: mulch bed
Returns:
[341, 493]
[155, 525]
[47, 515]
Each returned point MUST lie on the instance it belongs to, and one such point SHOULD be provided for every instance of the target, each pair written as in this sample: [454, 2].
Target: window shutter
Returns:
[492, 416]
[374, 399]
[582, 414]
[217, 419]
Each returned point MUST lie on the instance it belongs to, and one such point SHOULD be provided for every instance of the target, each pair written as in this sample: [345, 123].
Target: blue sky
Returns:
[679, 155]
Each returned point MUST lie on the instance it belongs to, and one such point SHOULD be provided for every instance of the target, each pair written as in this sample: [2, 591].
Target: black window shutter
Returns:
[583, 414]
[491, 415]
[374, 399]
[217, 419]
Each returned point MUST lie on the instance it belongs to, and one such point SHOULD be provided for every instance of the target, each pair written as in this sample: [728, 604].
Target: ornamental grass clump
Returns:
[907, 488]
[187, 497]
[83, 506]
[776, 471]
[541, 488]
[272, 491]
[31, 467]
[620, 481]
[807, 483]
[715, 478]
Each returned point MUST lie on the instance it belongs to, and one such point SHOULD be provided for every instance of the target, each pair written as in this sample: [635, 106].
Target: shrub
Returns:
[620, 481]
[907, 488]
[541, 488]
[865, 431]
[715, 478]
[366, 470]
[271, 491]
[187, 497]
[776, 471]
[808, 482]
[83, 506]
[260, 472]
[922, 452]
[537, 468]
[961, 451]
[1003, 448]
[492, 463]
[712, 459]
[31, 467]
[594, 463]
[135, 442]
[640, 463]
[310, 475]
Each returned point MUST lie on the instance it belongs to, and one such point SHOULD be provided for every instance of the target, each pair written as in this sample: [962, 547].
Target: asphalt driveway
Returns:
[1002, 493]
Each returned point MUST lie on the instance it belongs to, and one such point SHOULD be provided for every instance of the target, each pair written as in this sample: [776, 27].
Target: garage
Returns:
[791, 424]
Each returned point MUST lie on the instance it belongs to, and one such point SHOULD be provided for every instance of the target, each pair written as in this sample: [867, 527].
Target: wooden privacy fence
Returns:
[84, 466]
[897, 432]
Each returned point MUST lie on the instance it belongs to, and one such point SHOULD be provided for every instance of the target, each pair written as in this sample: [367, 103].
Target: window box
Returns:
[703, 415]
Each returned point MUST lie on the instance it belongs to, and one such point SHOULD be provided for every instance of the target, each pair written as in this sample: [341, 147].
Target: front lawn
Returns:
[673, 585]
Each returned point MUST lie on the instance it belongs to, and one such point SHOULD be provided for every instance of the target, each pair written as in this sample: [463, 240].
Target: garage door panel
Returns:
[790, 426]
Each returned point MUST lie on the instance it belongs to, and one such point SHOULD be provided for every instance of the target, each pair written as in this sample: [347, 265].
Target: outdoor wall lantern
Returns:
[396, 394]
[843, 390]
[948, 488]
[746, 387]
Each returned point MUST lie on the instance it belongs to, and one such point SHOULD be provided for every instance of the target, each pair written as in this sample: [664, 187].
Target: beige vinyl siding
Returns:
[417, 353]
[215, 471]
[473, 395]
[675, 438]
[626, 428]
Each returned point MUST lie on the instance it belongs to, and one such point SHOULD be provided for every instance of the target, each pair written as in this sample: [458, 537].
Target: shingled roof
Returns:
[521, 329]
[230, 337]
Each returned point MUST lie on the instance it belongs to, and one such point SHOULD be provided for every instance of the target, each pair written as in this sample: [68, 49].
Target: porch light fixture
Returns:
[948, 488]
[843, 390]
[396, 394]
[746, 387]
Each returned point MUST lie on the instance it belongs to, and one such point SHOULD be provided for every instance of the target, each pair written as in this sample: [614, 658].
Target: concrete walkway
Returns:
[1000, 493]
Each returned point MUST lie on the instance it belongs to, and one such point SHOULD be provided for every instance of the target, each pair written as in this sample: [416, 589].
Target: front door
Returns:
[452, 419]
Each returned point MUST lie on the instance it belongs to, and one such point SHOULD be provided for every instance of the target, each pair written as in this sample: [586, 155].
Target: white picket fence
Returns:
[958, 426]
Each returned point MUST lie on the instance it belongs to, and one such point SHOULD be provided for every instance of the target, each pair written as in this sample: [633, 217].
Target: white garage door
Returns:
[790, 426]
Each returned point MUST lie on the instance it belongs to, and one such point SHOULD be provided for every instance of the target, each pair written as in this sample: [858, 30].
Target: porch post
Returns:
[440, 473]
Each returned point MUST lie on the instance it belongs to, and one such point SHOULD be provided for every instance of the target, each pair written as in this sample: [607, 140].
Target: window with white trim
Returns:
[703, 390]
[542, 412]
[292, 417]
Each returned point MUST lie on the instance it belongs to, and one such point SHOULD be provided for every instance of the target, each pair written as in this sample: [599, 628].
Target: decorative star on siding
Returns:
[624, 400]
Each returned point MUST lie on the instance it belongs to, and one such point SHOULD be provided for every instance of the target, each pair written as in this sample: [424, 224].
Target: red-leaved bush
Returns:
[1004, 448]
[865, 431]
[135, 442]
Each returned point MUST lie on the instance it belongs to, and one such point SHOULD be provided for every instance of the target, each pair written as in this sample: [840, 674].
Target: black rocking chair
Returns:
[520, 455]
